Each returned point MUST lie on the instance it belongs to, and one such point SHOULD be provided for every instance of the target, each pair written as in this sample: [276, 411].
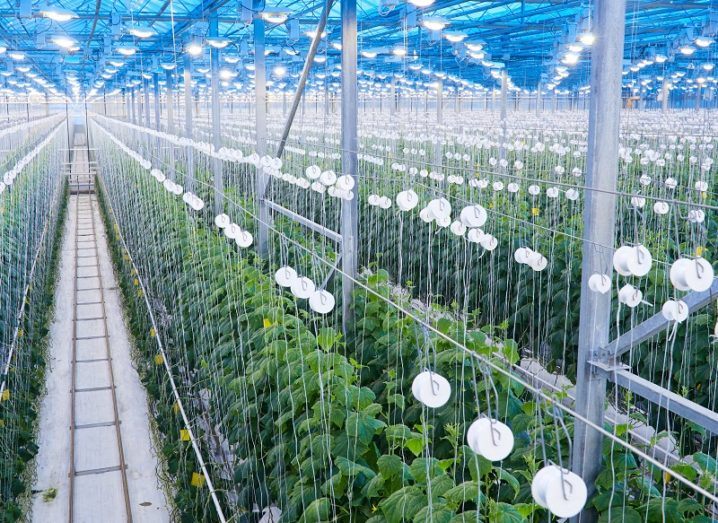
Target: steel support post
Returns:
[698, 98]
[504, 101]
[169, 99]
[260, 92]
[156, 93]
[216, 129]
[440, 102]
[599, 231]
[665, 92]
[189, 151]
[146, 103]
[133, 108]
[539, 101]
[392, 107]
[350, 146]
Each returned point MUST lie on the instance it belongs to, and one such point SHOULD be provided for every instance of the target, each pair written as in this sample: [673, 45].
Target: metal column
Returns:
[156, 91]
[189, 151]
[665, 92]
[698, 98]
[146, 104]
[440, 101]
[169, 101]
[260, 93]
[392, 107]
[350, 145]
[216, 130]
[539, 100]
[133, 108]
[504, 100]
[599, 230]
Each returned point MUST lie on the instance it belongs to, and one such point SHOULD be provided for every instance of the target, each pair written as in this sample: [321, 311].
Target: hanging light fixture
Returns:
[421, 3]
[142, 32]
[58, 14]
[455, 37]
[218, 42]
[64, 41]
[16, 55]
[687, 50]
[434, 23]
[194, 48]
[275, 16]
[126, 50]
[704, 41]
[587, 38]
[570, 58]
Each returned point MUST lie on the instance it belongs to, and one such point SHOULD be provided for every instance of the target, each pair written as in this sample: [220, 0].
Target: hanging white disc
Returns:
[285, 276]
[432, 389]
[303, 288]
[322, 302]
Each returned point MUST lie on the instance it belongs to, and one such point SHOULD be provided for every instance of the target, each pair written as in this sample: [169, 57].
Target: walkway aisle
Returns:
[109, 429]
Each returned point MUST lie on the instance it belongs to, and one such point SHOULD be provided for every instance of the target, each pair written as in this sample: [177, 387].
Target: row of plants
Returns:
[440, 267]
[32, 214]
[320, 424]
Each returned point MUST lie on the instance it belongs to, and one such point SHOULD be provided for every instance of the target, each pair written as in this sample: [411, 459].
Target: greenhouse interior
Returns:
[359, 261]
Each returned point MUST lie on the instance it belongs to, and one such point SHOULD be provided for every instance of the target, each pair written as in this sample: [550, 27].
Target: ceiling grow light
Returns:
[455, 38]
[587, 38]
[58, 14]
[218, 42]
[142, 32]
[434, 23]
[421, 3]
[64, 41]
[704, 41]
[194, 49]
[570, 58]
[275, 16]
[126, 50]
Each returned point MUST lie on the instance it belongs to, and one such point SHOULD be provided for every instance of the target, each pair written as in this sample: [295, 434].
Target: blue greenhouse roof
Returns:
[537, 41]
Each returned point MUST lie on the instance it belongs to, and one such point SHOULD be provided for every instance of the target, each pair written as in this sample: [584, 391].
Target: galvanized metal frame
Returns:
[260, 93]
[599, 228]
[350, 146]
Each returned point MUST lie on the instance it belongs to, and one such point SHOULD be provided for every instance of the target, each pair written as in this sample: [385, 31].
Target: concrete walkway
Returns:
[84, 465]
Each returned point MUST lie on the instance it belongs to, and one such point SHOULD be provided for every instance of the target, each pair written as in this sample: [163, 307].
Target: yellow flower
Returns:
[535, 211]
[197, 480]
